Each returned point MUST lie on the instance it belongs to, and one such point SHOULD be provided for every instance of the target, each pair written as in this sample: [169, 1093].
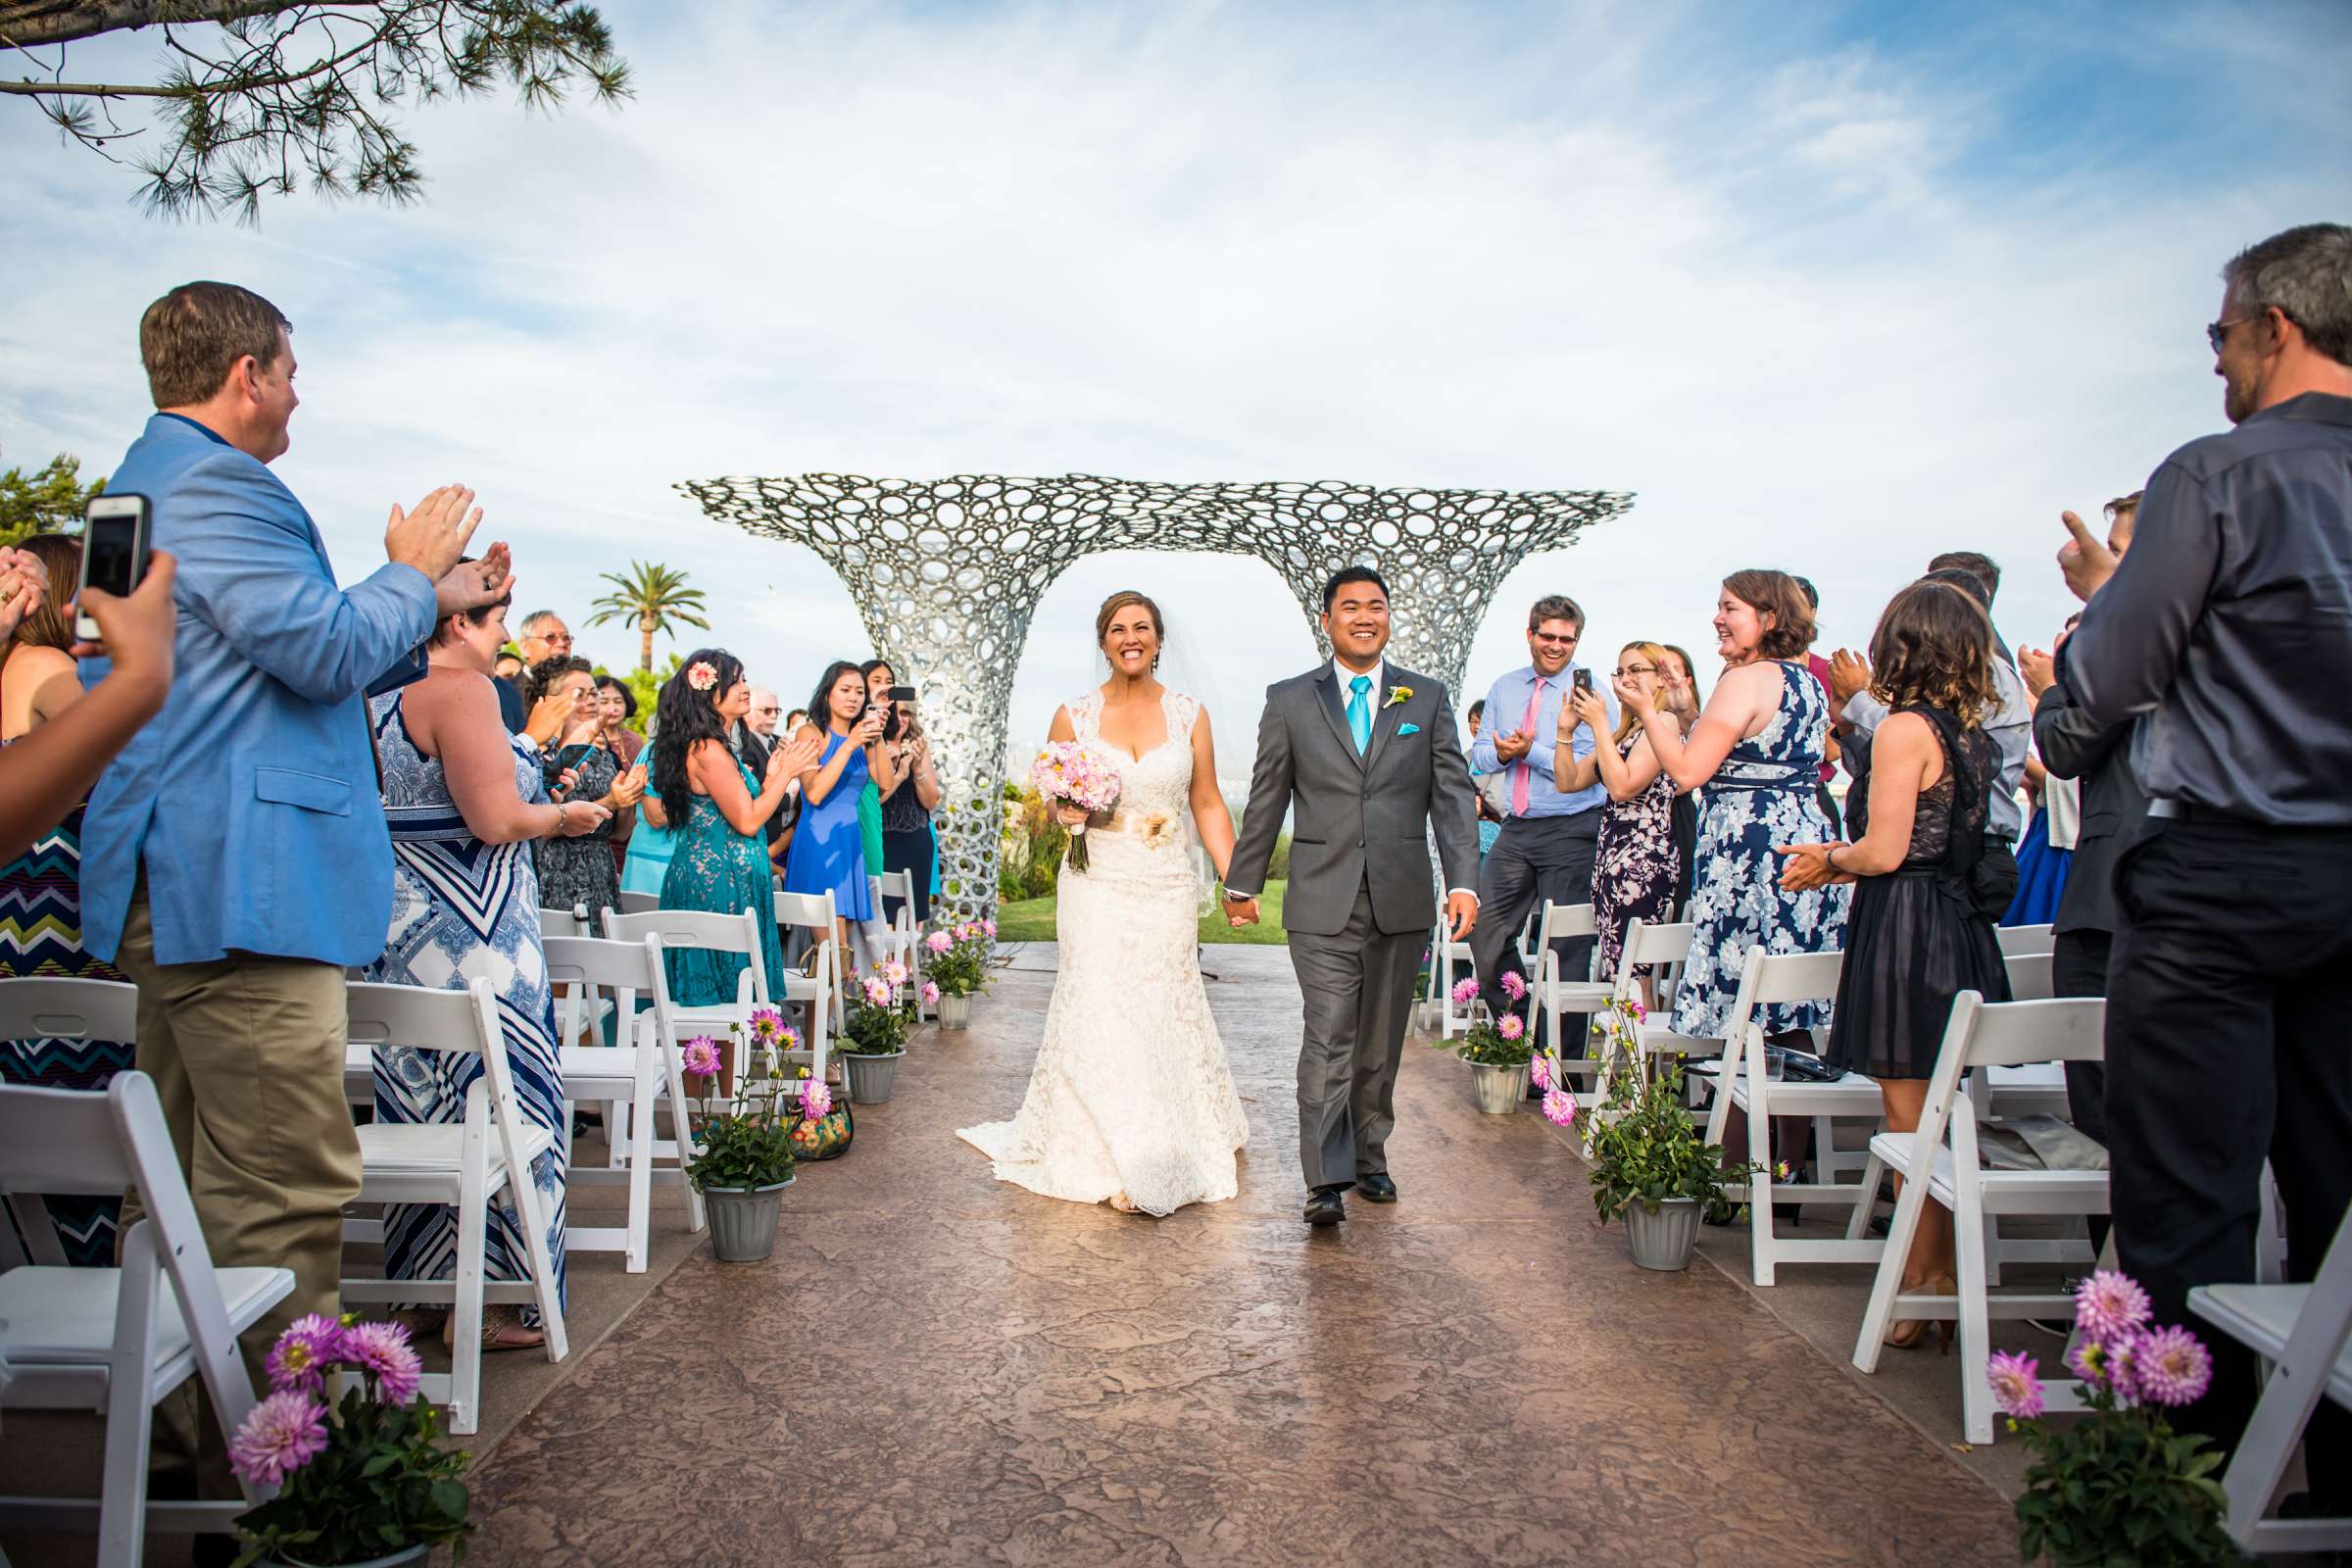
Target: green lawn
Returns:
[1032, 920]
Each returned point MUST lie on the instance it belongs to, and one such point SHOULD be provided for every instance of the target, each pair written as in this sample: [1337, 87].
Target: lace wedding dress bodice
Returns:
[1130, 1095]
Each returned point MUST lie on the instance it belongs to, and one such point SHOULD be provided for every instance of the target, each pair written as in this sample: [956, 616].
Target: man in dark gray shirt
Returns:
[2226, 634]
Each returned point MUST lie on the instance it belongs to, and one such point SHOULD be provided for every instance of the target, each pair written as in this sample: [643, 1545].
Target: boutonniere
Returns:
[1397, 694]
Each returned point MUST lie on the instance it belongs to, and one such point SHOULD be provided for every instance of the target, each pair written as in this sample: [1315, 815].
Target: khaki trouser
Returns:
[247, 1056]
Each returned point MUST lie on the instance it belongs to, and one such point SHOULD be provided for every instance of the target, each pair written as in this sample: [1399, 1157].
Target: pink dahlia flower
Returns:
[2110, 1305]
[2171, 1366]
[1511, 1027]
[299, 1360]
[279, 1437]
[1512, 985]
[383, 1350]
[1539, 1070]
[1559, 1106]
[939, 941]
[817, 1100]
[1466, 989]
[700, 1055]
[2016, 1384]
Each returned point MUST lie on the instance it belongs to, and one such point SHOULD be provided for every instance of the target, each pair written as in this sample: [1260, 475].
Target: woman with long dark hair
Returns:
[1915, 938]
[908, 798]
[828, 848]
[883, 769]
[721, 811]
[581, 871]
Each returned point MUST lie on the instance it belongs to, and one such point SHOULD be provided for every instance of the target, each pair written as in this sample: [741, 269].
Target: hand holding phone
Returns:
[114, 552]
[136, 632]
[1582, 679]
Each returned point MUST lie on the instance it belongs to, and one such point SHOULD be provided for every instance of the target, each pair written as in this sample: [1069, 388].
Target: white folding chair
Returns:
[1555, 995]
[737, 933]
[571, 923]
[639, 902]
[1657, 947]
[1743, 1079]
[2029, 1088]
[1453, 1017]
[1980, 1035]
[820, 992]
[2021, 941]
[629, 1080]
[2305, 1333]
[59, 1008]
[115, 1341]
[900, 938]
[462, 1163]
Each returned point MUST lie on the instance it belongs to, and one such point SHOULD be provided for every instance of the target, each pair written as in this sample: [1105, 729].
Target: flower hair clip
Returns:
[701, 677]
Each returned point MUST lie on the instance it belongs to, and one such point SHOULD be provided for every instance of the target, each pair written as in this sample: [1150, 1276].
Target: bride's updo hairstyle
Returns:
[1120, 601]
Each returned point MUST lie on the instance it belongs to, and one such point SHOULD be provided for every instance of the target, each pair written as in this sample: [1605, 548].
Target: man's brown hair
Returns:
[192, 337]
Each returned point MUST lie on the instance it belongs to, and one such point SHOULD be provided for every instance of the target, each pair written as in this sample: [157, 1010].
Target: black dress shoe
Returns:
[1377, 1187]
[1325, 1206]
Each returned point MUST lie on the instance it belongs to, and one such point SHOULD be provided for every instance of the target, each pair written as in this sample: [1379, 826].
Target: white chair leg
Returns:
[1759, 1194]
[1975, 1325]
[1879, 1315]
[680, 1128]
[465, 1312]
[641, 1172]
[130, 1408]
[1857, 1225]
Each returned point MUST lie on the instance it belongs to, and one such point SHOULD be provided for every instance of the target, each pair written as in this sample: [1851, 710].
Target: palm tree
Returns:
[653, 596]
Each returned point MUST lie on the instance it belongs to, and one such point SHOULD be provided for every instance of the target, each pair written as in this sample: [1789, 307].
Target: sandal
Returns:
[502, 1329]
[1912, 1332]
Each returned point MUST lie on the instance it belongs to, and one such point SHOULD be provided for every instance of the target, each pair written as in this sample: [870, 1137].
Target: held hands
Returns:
[1240, 912]
[2038, 670]
[135, 632]
[434, 535]
[2084, 558]
[1849, 677]
[1809, 866]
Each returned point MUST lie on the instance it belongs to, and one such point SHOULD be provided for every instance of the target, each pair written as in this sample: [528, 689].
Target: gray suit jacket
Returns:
[2113, 805]
[1357, 819]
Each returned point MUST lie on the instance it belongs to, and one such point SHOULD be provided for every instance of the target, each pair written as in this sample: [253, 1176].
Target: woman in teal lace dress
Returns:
[721, 813]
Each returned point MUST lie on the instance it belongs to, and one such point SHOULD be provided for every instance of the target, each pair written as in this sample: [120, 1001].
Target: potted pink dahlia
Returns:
[361, 1481]
[956, 968]
[1496, 1050]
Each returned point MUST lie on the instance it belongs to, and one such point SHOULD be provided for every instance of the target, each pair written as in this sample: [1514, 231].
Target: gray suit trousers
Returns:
[1358, 987]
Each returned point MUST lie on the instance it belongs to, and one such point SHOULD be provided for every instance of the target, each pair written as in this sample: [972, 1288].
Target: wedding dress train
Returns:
[1130, 1094]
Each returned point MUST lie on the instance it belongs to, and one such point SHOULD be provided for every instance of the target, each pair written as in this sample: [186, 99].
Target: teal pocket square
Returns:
[1408, 729]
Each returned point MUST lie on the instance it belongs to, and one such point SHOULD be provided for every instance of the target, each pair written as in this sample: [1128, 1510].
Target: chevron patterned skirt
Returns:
[40, 934]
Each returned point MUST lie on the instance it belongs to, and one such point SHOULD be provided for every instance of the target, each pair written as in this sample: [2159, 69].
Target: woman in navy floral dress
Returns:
[464, 800]
[1755, 755]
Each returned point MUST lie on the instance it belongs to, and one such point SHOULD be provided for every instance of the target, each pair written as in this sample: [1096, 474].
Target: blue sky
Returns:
[1830, 288]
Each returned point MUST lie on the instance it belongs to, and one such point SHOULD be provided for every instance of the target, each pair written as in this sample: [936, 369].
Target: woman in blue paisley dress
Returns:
[464, 800]
[1755, 757]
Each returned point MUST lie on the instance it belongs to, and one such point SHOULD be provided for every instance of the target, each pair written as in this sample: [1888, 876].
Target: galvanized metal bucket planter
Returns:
[871, 1076]
[1663, 1240]
[401, 1559]
[954, 1012]
[743, 1220]
[1500, 1090]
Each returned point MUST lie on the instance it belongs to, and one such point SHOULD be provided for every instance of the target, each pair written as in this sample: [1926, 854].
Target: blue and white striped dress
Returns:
[463, 910]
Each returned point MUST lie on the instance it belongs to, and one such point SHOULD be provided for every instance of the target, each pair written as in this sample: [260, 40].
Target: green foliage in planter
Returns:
[1645, 1148]
[382, 1485]
[876, 1028]
[964, 968]
[1488, 1045]
[2120, 1488]
[750, 1143]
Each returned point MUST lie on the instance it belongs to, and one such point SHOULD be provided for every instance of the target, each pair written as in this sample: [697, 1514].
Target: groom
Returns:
[1365, 753]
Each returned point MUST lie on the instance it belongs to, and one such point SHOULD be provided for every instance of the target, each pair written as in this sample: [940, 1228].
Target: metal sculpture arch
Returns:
[948, 572]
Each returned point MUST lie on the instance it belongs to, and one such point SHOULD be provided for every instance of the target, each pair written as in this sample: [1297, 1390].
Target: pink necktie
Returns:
[1527, 726]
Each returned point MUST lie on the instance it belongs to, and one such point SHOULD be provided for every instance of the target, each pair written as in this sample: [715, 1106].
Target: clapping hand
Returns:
[1849, 677]
[630, 788]
[472, 584]
[796, 756]
[549, 715]
[434, 535]
[1628, 692]
[2038, 670]
[1511, 745]
[2084, 558]
[24, 584]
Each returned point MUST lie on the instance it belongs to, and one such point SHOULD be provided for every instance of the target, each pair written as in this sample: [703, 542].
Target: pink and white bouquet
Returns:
[1068, 773]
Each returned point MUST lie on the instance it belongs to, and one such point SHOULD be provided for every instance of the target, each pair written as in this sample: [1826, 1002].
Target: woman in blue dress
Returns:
[464, 800]
[828, 848]
[721, 811]
[1755, 755]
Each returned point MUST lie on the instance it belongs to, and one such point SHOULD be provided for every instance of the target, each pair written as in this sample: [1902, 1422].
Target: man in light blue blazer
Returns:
[234, 856]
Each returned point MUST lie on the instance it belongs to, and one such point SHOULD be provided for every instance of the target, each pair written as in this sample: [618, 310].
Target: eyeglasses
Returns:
[1568, 641]
[770, 708]
[1633, 669]
[2216, 333]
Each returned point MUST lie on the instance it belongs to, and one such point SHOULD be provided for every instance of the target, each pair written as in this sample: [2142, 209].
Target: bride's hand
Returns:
[1071, 815]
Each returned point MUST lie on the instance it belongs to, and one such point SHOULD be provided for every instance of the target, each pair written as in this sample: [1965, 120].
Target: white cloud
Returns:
[1777, 285]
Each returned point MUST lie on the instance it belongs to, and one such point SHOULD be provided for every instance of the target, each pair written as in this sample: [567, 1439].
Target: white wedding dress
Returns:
[1130, 1094]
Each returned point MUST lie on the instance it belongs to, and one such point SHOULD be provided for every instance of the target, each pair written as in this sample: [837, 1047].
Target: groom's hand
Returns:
[1240, 912]
[1461, 913]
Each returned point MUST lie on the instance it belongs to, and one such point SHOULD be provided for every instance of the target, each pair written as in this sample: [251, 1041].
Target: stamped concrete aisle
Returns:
[938, 1368]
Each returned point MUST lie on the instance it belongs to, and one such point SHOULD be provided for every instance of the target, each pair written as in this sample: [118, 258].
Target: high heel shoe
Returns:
[1908, 1332]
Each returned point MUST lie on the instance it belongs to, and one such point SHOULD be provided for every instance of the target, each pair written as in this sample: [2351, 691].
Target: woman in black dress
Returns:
[1636, 863]
[1915, 938]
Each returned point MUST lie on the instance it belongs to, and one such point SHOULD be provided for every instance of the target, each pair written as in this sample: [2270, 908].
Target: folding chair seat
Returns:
[630, 1080]
[464, 1164]
[1743, 1079]
[115, 1341]
[1940, 1161]
[2305, 1333]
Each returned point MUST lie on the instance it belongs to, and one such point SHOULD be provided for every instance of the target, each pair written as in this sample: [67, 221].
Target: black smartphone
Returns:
[1582, 680]
[114, 550]
[901, 694]
[567, 758]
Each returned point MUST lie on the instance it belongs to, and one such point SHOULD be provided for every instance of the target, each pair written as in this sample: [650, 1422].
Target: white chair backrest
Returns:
[1770, 978]
[2018, 940]
[458, 1022]
[71, 1141]
[2030, 977]
[1564, 923]
[2011, 1034]
[895, 884]
[639, 902]
[571, 923]
[698, 928]
[627, 969]
[55, 1007]
[1653, 945]
[812, 911]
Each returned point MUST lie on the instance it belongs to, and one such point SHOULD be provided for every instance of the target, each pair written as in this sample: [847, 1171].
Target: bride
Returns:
[1131, 1103]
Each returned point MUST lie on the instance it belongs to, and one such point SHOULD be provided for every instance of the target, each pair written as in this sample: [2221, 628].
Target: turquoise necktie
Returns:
[1359, 713]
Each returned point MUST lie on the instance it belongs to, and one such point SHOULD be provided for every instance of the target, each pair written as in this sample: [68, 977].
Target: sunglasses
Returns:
[2216, 333]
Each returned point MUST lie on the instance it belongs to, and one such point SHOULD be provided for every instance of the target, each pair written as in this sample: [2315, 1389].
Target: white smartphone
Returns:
[114, 552]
